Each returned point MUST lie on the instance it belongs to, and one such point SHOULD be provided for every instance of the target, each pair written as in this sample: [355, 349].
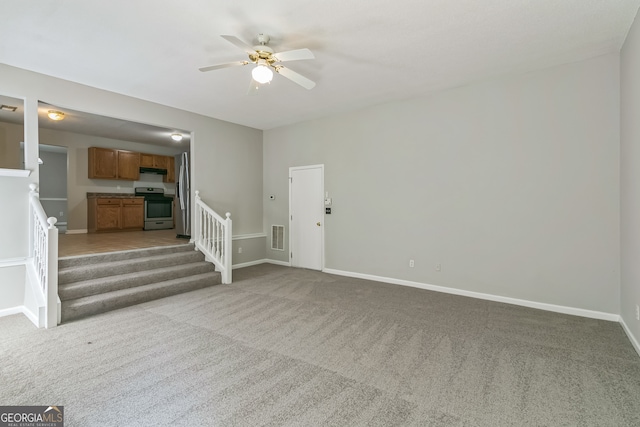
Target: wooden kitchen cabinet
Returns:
[128, 165]
[146, 160]
[171, 171]
[154, 161]
[103, 163]
[107, 216]
[132, 214]
[161, 162]
[108, 163]
[115, 214]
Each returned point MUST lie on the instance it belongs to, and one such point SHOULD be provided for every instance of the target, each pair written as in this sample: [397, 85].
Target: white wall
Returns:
[228, 182]
[511, 184]
[12, 287]
[630, 180]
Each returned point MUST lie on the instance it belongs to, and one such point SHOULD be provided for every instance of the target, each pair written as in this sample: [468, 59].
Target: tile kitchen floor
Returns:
[93, 243]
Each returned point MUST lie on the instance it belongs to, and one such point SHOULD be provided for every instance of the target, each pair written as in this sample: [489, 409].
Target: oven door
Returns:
[158, 213]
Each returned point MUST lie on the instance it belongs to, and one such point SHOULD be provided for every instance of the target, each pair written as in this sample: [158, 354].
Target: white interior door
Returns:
[306, 216]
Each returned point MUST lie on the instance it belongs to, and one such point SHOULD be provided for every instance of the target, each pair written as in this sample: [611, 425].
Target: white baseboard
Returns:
[21, 309]
[78, 231]
[260, 261]
[11, 311]
[633, 339]
[12, 262]
[276, 262]
[525, 303]
[248, 264]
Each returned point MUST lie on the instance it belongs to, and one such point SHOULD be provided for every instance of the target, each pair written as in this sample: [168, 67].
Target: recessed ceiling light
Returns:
[8, 108]
[176, 137]
[55, 115]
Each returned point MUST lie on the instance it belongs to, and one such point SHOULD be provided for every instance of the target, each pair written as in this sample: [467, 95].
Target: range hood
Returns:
[155, 171]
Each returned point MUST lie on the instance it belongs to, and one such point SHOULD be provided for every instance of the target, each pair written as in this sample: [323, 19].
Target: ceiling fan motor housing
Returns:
[262, 52]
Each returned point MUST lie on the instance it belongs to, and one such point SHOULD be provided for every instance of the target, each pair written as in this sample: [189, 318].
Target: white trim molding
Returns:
[20, 173]
[261, 261]
[249, 236]
[497, 298]
[12, 262]
[78, 231]
[21, 309]
[634, 341]
[276, 262]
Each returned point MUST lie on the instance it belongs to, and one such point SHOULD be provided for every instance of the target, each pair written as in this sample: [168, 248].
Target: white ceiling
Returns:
[95, 125]
[367, 52]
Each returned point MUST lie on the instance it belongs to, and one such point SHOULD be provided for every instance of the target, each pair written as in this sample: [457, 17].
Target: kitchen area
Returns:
[148, 207]
[105, 179]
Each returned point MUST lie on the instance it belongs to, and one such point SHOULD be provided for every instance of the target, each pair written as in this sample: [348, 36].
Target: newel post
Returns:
[32, 193]
[228, 255]
[197, 219]
[52, 314]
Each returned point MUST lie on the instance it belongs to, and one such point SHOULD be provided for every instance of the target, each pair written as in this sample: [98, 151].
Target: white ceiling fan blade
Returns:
[254, 86]
[293, 55]
[296, 78]
[240, 44]
[219, 66]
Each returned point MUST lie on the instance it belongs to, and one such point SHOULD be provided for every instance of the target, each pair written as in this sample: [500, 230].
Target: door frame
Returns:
[291, 170]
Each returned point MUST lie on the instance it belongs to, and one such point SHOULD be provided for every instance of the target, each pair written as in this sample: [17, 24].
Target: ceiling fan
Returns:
[267, 61]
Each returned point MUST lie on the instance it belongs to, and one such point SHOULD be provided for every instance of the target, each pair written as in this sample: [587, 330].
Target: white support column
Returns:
[52, 315]
[228, 250]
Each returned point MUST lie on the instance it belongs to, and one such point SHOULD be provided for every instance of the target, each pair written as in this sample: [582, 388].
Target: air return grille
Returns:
[277, 237]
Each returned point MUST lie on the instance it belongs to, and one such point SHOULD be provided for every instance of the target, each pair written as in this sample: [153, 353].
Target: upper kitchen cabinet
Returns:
[171, 170]
[109, 163]
[128, 165]
[103, 163]
[153, 161]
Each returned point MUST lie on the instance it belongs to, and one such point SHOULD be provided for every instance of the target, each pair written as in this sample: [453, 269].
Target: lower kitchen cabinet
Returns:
[115, 214]
[133, 214]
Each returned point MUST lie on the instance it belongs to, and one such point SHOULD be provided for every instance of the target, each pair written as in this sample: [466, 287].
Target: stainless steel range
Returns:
[158, 208]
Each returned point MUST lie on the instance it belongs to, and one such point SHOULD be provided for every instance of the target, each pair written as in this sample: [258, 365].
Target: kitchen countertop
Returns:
[114, 195]
[121, 195]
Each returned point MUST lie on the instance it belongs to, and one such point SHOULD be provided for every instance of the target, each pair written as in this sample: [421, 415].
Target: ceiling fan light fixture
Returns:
[55, 115]
[176, 137]
[262, 74]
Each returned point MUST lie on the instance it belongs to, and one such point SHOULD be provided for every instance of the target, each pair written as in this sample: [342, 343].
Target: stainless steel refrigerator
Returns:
[183, 192]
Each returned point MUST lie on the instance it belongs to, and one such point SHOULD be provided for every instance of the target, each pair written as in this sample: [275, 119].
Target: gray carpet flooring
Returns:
[290, 347]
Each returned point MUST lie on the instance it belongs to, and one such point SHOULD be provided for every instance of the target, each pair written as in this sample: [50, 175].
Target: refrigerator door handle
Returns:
[181, 187]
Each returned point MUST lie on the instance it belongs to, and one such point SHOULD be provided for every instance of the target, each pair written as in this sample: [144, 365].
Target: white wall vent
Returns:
[277, 237]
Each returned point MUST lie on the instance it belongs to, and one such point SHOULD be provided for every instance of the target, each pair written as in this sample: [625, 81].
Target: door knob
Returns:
[318, 224]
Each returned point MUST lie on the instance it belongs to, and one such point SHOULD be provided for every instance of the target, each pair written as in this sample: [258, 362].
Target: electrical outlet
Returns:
[411, 263]
[637, 312]
[240, 250]
[438, 267]
[61, 213]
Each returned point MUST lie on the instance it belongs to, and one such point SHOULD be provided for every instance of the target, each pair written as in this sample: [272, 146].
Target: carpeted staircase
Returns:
[97, 283]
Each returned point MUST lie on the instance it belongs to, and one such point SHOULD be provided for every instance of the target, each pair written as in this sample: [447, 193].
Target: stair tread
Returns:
[103, 282]
[98, 285]
[134, 290]
[90, 259]
[113, 264]
[124, 276]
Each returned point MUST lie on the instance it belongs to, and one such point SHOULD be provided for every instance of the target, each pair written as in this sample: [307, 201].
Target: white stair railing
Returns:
[213, 237]
[43, 254]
